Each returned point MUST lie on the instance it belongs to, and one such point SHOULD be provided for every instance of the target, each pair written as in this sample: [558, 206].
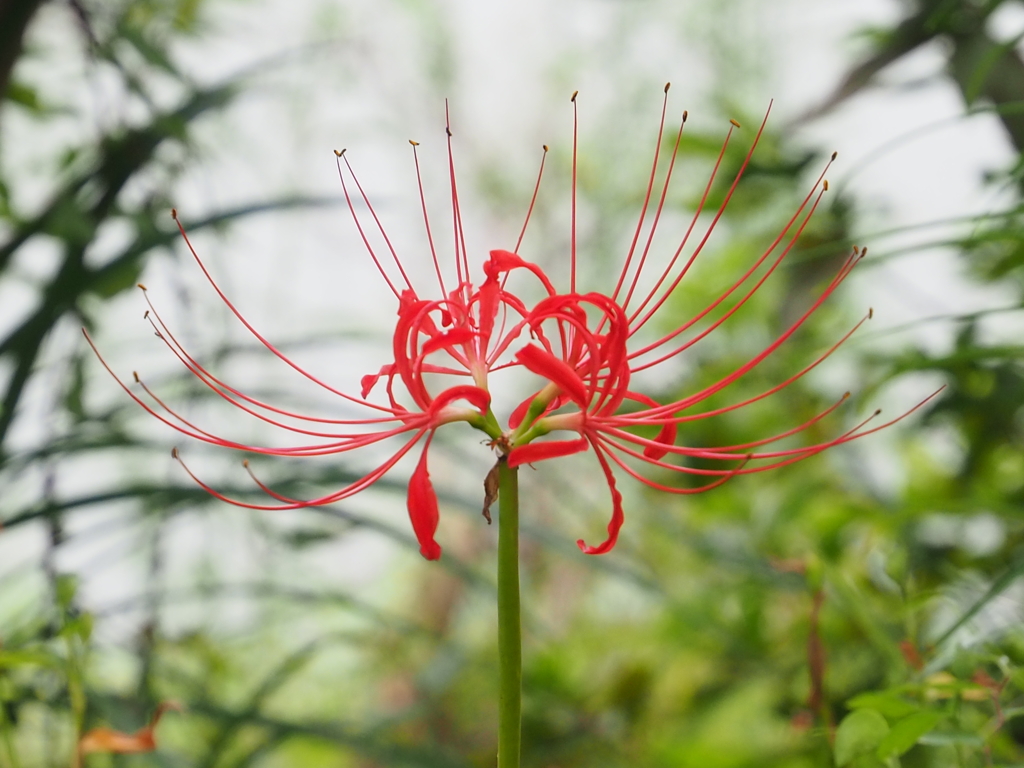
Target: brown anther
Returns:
[545, 147]
[174, 213]
[339, 154]
[414, 143]
[735, 123]
[448, 130]
[174, 453]
[685, 115]
[135, 375]
[574, 95]
[145, 315]
[667, 86]
[824, 184]
[871, 312]
[845, 395]
[140, 285]
[835, 155]
[878, 412]
[245, 463]
[863, 252]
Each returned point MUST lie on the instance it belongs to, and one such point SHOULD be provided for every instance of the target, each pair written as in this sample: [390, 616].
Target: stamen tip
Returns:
[174, 213]
[735, 123]
[685, 115]
[573, 97]
[667, 86]
[174, 452]
[846, 395]
[835, 155]
[135, 375]
[824, 184]
[448, 130]
[245, 463]
[140, 285]
[414, 143]
[871, 312]
[878, 411]
[145, 315]
[339, 154]
[545, 147]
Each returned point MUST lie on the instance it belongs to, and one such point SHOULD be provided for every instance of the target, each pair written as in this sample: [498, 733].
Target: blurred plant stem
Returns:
[510, 636]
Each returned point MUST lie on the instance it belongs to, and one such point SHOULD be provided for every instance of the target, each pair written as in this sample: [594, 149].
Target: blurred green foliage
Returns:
[801, 618]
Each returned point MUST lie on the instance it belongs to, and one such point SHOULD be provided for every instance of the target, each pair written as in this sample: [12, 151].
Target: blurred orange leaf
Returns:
[109, 740]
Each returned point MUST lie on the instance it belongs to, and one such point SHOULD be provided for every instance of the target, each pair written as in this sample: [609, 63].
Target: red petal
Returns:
[448, 339]
[506, 261]
[423, 508]
[545, 364]
[667, 433]
[666, 436]
[519, 412]
[617, 517]
[369, 381]
[551, 449]
[481, 398]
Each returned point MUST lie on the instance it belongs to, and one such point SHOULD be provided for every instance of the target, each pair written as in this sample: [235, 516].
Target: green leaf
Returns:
[66, 586]
[888, 704]
[907, 732]
[860, 732]
[13, 659]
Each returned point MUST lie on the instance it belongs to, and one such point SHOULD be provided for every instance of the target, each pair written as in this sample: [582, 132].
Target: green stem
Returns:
[510, 636]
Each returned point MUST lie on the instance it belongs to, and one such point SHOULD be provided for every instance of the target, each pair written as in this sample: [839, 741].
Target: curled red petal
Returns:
[369, 381]
[543, 363]
[481, 398]
[506, 261]
[448, 339]
[551, 449]
[617, 517]
[666, 435]
[519, 412]
[423, 512]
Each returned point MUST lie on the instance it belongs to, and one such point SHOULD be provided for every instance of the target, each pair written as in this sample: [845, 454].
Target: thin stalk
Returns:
[510, 636]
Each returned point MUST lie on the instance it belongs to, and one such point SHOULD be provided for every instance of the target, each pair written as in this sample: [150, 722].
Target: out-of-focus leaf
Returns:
[907, 732]
[892, 705]
[859, 733]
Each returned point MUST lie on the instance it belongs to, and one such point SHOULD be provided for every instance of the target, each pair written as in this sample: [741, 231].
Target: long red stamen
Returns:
[164, 333]
[657, 415]
[647, 200]
[757, 359]
[259, 337]
[426, 218]
[350, 490]
[572, 238]
[658, 212]
[725, 294]
[461, 257]
[707, 234]
[533, 202]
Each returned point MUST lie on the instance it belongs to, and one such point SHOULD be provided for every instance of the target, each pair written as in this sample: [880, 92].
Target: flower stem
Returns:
[510, 636]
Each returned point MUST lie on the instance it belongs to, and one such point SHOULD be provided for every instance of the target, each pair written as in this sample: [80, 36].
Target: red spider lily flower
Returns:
[581, 345]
